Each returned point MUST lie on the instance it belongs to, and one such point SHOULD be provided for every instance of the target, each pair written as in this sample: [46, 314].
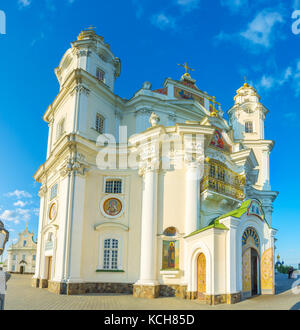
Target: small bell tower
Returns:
[247, 119]
[247, 116]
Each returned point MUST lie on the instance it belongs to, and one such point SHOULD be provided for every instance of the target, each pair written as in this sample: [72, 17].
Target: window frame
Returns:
[102, 72]
[60, 128]
[113, 179]
[102, 239]
[50, 197]
[248, 124]
[98, 114]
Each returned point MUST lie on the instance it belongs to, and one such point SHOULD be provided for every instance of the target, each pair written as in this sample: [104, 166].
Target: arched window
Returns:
[170, 253]
[250, 237]
[110, 254]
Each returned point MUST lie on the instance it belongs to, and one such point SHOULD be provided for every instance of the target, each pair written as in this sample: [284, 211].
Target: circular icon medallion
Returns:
[112, 207]
[53, 211]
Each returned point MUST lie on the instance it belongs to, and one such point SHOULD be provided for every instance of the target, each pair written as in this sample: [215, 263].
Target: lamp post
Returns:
[4, 235]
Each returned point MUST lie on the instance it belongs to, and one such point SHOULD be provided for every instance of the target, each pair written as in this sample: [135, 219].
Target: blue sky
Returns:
[223, 40]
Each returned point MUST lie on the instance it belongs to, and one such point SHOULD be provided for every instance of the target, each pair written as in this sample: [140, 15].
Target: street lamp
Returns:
[4, 234]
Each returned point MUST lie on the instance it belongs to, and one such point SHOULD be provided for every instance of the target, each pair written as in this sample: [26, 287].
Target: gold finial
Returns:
[245, 84]
[185, 66]
[214, 112]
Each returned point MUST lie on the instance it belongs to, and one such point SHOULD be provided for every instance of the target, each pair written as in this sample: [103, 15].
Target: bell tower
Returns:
[247, 116]
[247, 119]
[92, 54]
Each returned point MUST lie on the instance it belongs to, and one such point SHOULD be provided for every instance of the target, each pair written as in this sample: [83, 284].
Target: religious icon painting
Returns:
[52, 211]
[219, 142]
[112, 207]
[170, 255]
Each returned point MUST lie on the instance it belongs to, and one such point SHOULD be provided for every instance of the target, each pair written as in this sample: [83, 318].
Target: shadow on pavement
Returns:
[296, 307]
[283, 283]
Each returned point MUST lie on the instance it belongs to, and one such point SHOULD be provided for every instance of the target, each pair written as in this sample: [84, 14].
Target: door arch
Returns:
[201, 276]
[251, 263]
[22, 269]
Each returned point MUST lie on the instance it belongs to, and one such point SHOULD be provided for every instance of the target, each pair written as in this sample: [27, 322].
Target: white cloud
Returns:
[24, 3]
[19, 194]
[261, 30]
[20, 203]
[267, 81]
[260, 33]
[163, 22]
[188, 5]
[16, 215]
[234, 5]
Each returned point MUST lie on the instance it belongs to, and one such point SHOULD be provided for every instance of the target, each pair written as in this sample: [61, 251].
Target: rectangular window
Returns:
[60, 129]
[34, 257]
[113, 186]
[99, 124]
[110, 254]
[249, 127]
[14, 257]
[53, 192]
[100, 74]
[23, 257]
[24, 243]
[13, 268]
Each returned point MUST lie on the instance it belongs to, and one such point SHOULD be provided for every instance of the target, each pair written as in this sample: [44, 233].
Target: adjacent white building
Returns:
[21, 257]
[155, 195]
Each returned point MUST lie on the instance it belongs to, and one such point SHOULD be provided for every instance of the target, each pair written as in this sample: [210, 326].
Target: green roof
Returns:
[215, 224]
[237, 213]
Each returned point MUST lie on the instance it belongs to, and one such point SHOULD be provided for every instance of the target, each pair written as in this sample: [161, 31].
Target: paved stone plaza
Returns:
[21, 296]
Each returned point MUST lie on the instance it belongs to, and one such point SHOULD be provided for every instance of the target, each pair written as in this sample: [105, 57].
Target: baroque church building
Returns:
[21, 256]
[155, 195]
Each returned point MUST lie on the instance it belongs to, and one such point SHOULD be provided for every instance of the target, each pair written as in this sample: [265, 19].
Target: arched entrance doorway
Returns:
[201, 276]
[22, 270]
[251, 263]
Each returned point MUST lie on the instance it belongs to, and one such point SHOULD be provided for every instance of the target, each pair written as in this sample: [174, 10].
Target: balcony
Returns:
[220, 179]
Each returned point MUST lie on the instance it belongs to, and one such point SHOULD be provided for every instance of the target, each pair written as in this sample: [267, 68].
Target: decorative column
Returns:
[50, 137]
[75, 221]
[148, 286]
[266, 170]
[80, 108]
[192, 197]
[38, 264]
[194, 160]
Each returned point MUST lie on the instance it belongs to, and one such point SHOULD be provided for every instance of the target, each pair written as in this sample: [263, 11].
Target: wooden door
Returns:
[49, 268]
[201, 276]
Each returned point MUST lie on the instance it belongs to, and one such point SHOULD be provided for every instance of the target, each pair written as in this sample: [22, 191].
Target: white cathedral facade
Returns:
[155, 195]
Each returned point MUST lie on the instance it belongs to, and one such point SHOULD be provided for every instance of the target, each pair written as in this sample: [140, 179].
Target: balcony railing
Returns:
[220, 179]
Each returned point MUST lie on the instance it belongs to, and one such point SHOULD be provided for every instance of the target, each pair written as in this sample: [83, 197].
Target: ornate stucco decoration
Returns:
[75, 164]
[154, 119]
